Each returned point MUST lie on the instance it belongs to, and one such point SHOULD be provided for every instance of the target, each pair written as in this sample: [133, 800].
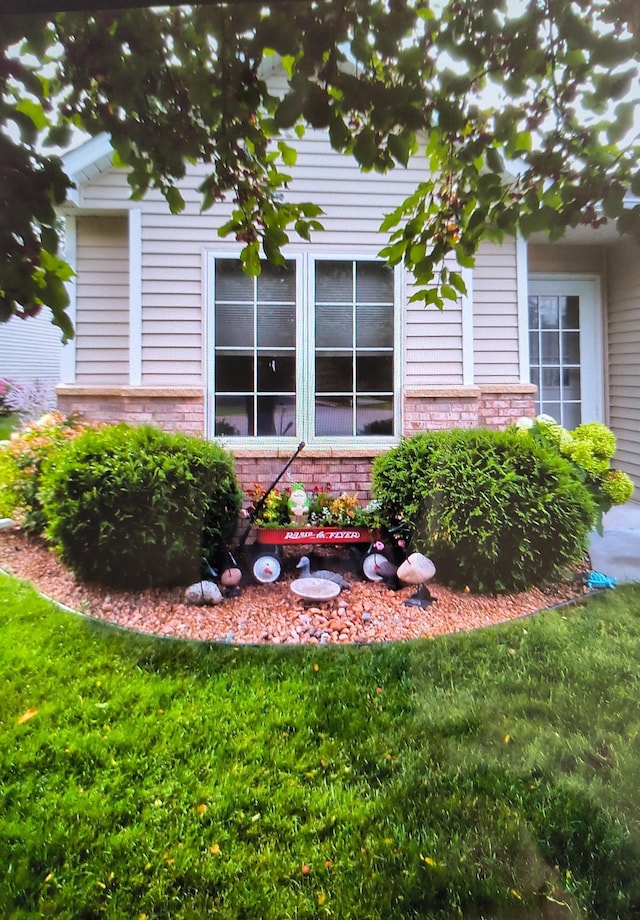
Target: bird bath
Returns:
[315, 589]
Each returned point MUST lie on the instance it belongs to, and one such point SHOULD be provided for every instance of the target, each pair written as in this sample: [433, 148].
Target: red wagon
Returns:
[266, 565]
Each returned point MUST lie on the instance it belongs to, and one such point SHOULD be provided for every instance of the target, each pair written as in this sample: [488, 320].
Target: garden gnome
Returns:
[298, 505]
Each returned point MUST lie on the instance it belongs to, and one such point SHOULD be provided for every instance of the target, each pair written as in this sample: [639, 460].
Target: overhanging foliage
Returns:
[524, 112]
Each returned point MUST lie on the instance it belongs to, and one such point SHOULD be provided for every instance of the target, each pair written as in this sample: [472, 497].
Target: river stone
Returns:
[416, 569]
[203, 593]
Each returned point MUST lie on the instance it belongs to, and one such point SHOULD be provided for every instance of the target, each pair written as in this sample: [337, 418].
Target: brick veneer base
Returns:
[174, 409]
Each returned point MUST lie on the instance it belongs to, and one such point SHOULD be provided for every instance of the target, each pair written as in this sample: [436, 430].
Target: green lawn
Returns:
[484, 775]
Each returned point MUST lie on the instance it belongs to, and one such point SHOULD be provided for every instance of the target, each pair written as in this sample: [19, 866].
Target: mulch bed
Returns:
[368, 612]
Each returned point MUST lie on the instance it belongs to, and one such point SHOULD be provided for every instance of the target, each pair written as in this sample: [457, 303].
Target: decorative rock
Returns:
[203, 594]
[416, 569]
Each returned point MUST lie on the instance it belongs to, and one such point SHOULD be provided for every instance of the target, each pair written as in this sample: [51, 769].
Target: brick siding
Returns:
[340, 471]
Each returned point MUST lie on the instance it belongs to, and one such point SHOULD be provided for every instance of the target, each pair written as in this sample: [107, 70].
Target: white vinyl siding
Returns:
[495, 314]
[30, 349]
[174, 251]
[624, 347]
[102, 317]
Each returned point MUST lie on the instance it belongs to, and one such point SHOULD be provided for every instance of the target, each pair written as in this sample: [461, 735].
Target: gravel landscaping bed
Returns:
[367, 612]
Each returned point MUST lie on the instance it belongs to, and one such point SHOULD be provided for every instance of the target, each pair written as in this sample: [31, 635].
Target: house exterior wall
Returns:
[102, 301]
[623, 332]
[30, 350]
[460, 366]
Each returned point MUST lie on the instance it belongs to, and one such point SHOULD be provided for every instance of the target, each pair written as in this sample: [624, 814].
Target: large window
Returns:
[306, 350]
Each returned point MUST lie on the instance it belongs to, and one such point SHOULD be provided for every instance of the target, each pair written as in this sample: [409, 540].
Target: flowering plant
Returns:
[589, 448]
[21, 460]
[324, 510]
[29, 400]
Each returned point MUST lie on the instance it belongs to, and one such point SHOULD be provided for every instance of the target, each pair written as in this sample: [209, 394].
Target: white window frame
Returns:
[305, 359]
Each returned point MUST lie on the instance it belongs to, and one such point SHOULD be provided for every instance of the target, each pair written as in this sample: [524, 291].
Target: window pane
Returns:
[276, 373]
[571, 415]
[334, 374]
[549, 312]
[570, 312]
[550, 347]
[550, 386]
[334, 326]
[374, 373]
[551, 408]
[374, 282]
[533, 312]
[234, 324]
[231, 282]
[234, 373]
[334, 282]
[571, 383]
[374, 326]
[277, 325]
[534, 357]
[571, 347]
[277, 283]
[374, 415]
[276, 416]
[231, 416]
[334, 416]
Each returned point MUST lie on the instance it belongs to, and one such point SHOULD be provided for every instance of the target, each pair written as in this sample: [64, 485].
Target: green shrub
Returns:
[21, 461]
[494, 511]
[137, 507]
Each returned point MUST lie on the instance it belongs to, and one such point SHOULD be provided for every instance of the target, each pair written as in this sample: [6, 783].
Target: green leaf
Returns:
[35, 112]
[174, 200]
[289, 154]
[365, 148]
[401, 146]
[250, 258]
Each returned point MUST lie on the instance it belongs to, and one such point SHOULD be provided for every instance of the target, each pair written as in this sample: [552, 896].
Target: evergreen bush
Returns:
[136, 507]
[494, 511]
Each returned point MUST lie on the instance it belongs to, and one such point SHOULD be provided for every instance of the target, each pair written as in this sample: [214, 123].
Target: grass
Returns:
[7, 425]
[489, 775]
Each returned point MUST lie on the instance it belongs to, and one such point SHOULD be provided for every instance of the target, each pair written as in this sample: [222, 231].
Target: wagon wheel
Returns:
[266, 567]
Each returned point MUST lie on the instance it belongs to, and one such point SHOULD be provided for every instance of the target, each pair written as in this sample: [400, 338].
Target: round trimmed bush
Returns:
[494, 511]
[137, 507]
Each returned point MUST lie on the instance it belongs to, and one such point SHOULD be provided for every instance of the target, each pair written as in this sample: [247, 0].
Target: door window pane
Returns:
[570, 312]
[554, 356]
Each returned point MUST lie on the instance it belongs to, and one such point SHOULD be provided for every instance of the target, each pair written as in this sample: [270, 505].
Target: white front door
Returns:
[565, 347]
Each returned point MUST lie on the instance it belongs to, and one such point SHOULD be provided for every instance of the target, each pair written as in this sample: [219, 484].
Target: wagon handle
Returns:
[263, 499]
